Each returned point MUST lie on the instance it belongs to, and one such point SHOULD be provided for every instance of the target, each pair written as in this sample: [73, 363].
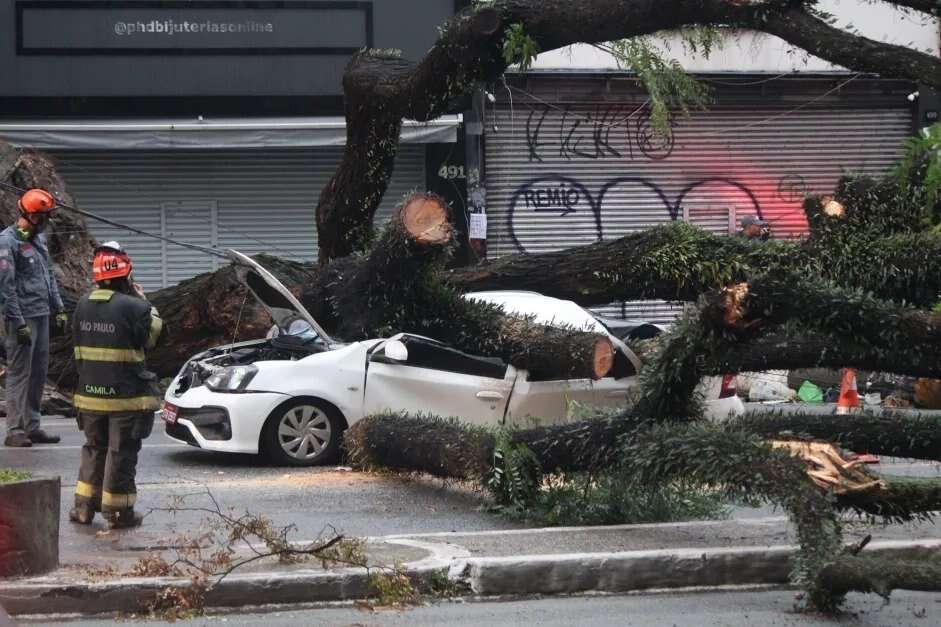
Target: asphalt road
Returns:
[725, 609]
[357, 504]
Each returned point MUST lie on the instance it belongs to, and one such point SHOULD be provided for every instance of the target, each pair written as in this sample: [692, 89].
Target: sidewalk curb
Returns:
[485, 576]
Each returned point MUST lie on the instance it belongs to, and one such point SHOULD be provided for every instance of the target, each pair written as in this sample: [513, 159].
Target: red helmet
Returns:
[111, 262]
[37, 201]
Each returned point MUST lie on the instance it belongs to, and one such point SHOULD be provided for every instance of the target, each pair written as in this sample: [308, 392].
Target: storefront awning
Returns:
[195, 134]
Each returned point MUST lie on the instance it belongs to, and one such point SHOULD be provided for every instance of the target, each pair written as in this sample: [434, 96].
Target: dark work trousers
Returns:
[109, 461]
[27, 365]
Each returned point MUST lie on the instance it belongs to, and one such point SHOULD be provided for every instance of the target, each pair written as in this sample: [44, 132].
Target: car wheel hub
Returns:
[304, 432]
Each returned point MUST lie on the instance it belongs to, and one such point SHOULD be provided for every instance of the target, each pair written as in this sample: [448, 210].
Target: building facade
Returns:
[216, 122]
[566, 154]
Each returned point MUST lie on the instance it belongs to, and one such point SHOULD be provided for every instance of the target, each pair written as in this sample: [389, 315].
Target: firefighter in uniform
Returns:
[30, 300]
[116, 395]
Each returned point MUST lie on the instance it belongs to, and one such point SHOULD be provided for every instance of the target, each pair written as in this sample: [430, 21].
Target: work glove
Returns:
[62, 322]
[23, 335]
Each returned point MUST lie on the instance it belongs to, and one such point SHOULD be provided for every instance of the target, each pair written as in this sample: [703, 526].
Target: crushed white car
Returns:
[291, 395]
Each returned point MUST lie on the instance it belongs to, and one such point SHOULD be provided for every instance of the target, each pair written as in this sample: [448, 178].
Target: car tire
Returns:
[302, 432]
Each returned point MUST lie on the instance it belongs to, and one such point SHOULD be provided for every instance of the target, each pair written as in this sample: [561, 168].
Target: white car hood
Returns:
[273, 296]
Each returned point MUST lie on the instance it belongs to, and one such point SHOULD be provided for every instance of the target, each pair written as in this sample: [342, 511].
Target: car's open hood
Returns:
[271, 293]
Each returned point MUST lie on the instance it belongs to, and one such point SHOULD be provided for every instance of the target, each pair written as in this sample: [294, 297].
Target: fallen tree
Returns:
[899, 434]
[866, 251]
[449, 449]
[849, 246]
[731, 460]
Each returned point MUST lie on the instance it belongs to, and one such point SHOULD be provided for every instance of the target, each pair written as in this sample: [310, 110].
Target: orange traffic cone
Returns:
[849, 396]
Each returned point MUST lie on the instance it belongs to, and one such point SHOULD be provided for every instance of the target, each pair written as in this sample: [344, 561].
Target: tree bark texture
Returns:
[382, 88]
[213, 309]
[881, 575]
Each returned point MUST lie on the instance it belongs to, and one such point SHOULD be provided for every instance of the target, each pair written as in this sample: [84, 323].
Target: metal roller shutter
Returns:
[253, 200]
[574, 161]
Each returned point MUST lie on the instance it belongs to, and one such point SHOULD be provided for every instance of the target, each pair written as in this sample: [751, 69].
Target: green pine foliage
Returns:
[920, 171]
[667, 84]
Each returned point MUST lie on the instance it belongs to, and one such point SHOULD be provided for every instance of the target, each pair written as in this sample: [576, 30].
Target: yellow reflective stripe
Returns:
[123, 355]
[118, 501]
[156, 327]
[87, 490]
[137, 403]
[101, 295]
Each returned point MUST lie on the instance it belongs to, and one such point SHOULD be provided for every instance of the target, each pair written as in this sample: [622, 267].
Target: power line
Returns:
[737, 129]
[588, 119]
[93, 216]
[746, 83]
[789, 111]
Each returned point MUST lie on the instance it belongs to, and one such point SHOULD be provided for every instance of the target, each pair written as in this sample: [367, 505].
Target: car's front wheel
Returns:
[302, 432]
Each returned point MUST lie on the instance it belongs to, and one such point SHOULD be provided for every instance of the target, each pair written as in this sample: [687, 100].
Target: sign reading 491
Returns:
[452, 172]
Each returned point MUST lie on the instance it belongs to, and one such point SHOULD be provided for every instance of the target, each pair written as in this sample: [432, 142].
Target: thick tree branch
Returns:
[692, 350]
[382, 89]
[932, 7]
[862, 54]
[900, 434]
[672, 262]
[871, 573]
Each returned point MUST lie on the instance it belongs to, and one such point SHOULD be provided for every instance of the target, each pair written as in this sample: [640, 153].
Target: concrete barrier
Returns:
[29, 527]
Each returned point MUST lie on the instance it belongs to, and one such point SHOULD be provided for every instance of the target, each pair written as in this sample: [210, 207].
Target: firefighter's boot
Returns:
[81, 515]
[124, 519]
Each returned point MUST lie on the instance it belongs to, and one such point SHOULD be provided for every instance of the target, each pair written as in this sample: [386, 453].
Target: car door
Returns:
[536, 403]
[434, 378]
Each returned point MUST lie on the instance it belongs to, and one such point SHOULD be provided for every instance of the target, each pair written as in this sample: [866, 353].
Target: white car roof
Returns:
[545, 309]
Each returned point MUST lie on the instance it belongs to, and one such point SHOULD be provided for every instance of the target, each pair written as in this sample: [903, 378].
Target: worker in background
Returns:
[754, 227]
[116, 397]
[29, 296]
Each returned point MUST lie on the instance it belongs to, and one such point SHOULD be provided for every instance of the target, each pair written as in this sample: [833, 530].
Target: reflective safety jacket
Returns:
[111, 332]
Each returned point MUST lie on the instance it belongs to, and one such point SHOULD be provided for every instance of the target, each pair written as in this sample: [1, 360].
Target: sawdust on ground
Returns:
[319, 478]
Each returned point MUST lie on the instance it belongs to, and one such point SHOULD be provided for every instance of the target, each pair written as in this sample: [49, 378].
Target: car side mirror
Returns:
[395, 350]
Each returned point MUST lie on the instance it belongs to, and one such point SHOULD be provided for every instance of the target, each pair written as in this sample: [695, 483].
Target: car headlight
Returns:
[231, 379]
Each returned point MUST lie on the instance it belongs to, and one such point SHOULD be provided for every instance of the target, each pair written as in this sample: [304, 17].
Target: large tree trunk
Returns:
[770, 323]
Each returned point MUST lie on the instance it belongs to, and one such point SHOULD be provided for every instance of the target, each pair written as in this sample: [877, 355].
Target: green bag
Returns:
[810, 393]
